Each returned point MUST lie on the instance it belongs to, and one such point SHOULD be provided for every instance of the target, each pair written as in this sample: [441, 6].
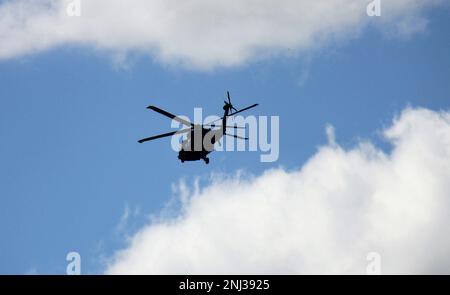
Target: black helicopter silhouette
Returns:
[201, 137]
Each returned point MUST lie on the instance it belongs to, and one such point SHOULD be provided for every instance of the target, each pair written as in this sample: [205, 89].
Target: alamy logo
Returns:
[255, 129]
[374, 8]
[74, 265]
[374, 266]
[73, 8]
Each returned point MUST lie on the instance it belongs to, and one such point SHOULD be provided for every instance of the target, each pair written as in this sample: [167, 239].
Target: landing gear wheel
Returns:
[206, 160]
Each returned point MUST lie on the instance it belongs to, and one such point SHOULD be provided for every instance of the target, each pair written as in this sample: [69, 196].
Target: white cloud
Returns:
[197, 33]
[324, 218]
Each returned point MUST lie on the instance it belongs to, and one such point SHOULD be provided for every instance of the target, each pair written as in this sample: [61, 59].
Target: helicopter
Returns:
[200, 137]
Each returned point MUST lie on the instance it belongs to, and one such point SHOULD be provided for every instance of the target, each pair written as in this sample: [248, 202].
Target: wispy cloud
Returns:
[128, 213]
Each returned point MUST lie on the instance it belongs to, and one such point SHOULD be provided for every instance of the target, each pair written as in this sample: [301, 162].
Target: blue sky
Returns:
[70, 120]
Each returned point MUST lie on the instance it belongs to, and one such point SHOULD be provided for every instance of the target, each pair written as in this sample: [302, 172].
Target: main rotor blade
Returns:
[244, 109]
[214, 125]
[237, 136]
[228, 95]
[235, 127]
[165, 135]
[171, 116]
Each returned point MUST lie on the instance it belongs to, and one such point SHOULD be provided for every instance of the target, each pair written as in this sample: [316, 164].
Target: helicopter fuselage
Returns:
[199, 144]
